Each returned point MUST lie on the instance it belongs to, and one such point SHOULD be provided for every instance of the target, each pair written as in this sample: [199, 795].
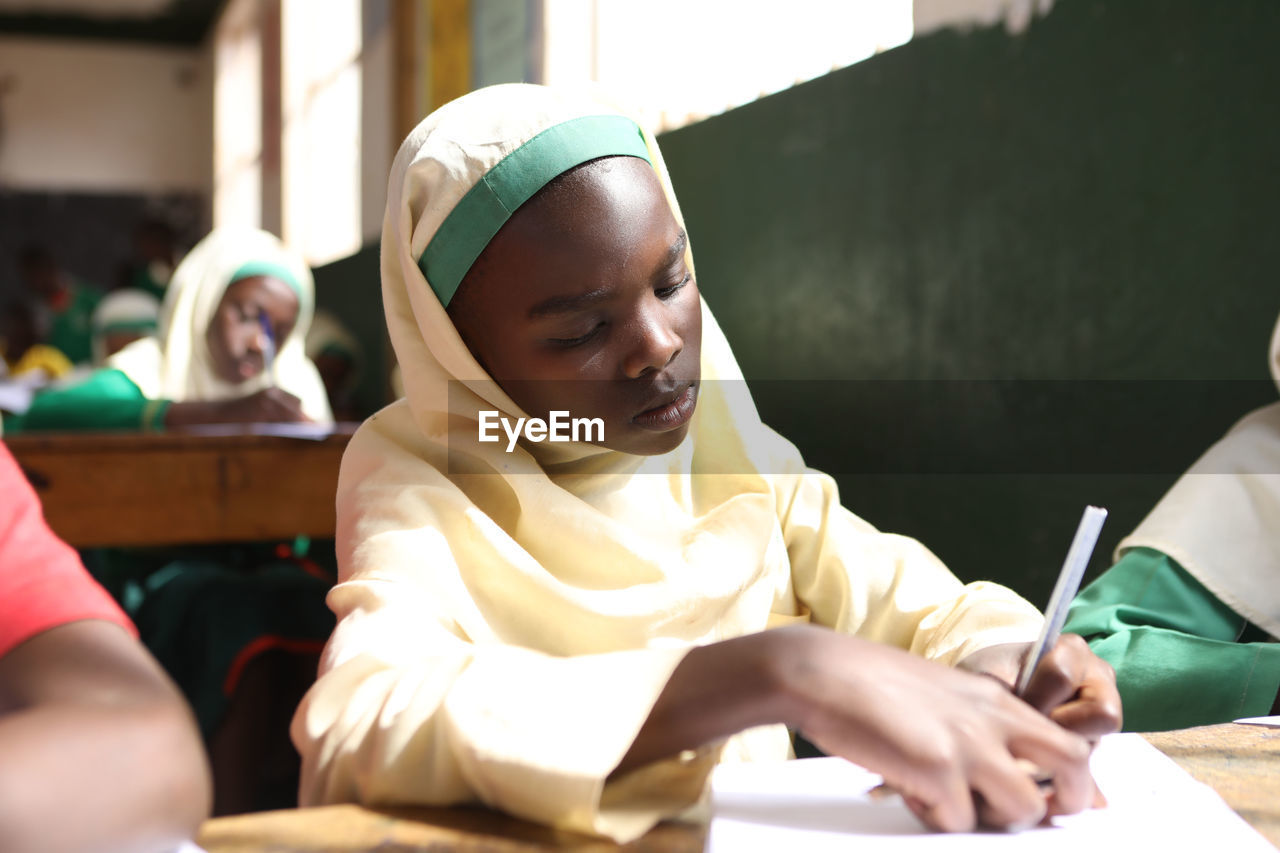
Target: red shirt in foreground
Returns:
[43, 584]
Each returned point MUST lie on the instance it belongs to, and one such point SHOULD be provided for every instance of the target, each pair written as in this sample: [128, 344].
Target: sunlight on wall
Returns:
[237, 118]
[679, 61]
[320, 63]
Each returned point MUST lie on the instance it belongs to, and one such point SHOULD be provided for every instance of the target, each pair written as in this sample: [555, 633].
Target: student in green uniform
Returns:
[338, 356]
[155, 252]
[1190, 613]
[68, 303]
[122, 317]
[238, 301]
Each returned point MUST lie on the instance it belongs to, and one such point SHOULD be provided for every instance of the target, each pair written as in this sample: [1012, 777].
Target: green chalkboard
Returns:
[1086, 210]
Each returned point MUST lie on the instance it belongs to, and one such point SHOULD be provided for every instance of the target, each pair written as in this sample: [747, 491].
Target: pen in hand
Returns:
[1064, 591]
[268, 346]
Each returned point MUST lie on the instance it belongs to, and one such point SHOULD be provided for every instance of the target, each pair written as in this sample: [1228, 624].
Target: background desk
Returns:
[171, 489]
[1241, 762]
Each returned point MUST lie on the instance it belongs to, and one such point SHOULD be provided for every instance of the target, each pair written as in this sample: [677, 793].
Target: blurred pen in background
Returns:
[268, 347]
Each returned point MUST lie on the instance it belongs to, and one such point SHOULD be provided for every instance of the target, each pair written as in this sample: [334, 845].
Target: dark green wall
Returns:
[1093, 200]
[351, 289]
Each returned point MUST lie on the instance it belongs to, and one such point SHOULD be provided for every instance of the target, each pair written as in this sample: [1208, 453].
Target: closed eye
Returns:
[568, 343]
[248, 313]
[668, 292]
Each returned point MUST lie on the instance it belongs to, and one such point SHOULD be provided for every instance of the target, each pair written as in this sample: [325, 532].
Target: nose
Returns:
[258, 341]
[656, 343]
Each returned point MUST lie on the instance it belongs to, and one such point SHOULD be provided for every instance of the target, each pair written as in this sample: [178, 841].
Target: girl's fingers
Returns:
[1007, 795]
[1089, 717]
[1060, 674]
[948, 808]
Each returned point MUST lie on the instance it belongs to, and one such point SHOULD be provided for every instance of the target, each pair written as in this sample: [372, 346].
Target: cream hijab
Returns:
[176, 363]
[443, 160]
[569, 487]
[1221, 520]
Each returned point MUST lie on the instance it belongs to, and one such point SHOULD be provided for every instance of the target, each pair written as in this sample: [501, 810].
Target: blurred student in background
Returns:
[151, 265]
[64, 304]
[338, 356]
[228, 349]
[24, 355]
[122, 317]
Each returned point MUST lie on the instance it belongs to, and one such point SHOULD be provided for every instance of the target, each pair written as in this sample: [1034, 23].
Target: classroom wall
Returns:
[1083, 210]
[91, 117]
[94, 137]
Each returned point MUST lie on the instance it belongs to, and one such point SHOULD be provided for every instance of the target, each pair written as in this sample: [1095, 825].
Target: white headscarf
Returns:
[176, 364]
[1221, 520]
[131, 309]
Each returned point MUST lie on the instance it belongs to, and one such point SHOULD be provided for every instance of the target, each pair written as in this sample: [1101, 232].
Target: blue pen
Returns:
[269, 348]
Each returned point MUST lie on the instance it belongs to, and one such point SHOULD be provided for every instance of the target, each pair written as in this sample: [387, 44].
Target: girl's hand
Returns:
[1072, 686]
[270, 405]
[1077, 689]
[957, 745]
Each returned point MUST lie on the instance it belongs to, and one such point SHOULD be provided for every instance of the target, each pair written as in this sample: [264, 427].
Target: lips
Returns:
[672, 410]
[248, 368]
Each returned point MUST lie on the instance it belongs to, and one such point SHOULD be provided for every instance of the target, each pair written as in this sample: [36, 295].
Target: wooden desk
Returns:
[1241, 762]
[138, 490]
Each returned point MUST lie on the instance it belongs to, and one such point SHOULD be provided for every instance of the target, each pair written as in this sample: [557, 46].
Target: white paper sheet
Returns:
[15, 396]
[1259, 721]
[313, 432]
[820, 804]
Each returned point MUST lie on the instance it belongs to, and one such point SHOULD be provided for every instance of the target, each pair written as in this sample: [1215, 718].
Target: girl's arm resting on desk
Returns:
[406, 711]
[270, 405]
[100, 751]
[1174, 646]
[109, 401]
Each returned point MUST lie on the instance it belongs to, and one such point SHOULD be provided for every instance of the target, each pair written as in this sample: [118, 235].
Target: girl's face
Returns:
[583, 303]
[237, 336]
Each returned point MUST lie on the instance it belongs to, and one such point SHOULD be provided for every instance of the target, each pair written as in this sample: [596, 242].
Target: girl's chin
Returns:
[236, 376]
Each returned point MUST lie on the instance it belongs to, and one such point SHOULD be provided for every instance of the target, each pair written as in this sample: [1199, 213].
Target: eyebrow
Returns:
[557, 305]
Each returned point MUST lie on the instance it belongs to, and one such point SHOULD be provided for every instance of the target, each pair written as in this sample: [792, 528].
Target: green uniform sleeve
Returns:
[1177, 650]
[107, 400]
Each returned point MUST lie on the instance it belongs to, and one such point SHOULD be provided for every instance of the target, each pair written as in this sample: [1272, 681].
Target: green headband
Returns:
[514, 180]
[266, 268]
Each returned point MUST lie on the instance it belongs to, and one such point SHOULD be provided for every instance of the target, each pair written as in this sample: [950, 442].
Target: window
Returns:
[320, 127]
[237, 117]
[679, 61]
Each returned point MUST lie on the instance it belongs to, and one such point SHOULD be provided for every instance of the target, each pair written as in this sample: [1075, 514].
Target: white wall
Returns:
[80, 116]
[1017, 14]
